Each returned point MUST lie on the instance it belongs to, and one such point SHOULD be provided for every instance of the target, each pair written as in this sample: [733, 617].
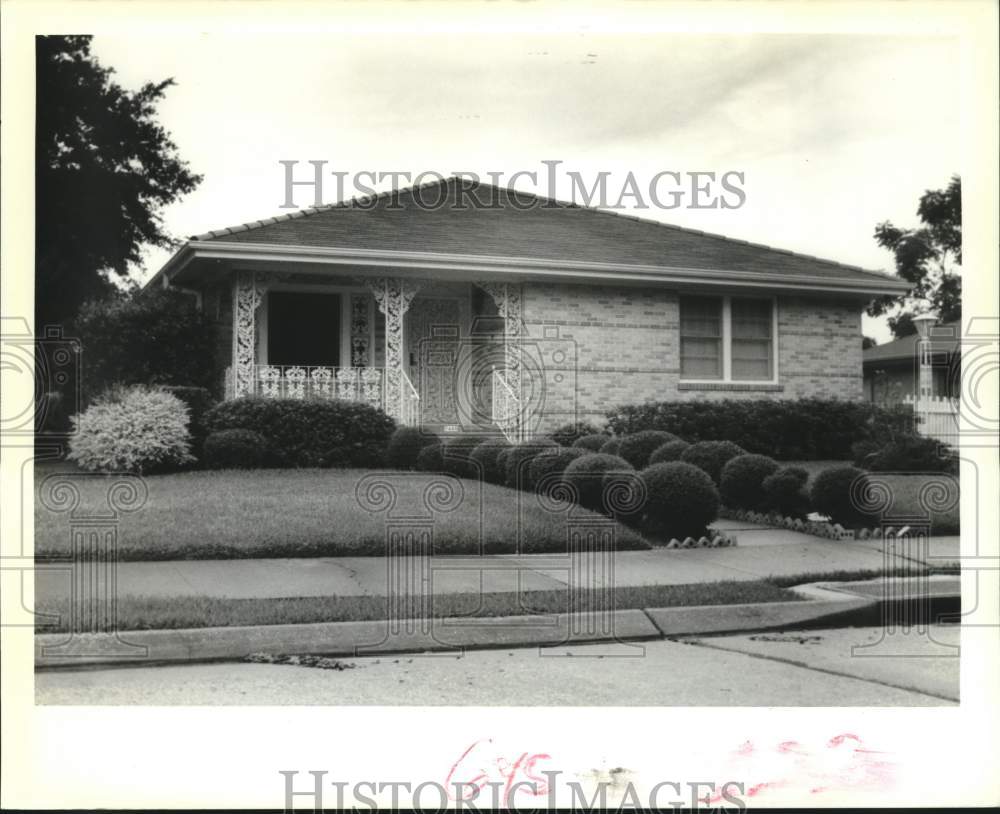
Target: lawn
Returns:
[146, 613]
[905, 495]
[314, 513]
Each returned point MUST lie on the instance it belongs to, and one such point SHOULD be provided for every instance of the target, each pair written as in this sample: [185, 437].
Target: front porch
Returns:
[436, 354]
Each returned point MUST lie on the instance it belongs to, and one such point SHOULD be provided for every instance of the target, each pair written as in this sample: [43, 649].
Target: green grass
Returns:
[905, 491]
[312, 513]
[145, 613]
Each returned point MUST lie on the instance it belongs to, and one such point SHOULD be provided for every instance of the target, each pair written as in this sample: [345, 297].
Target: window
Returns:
[728, 339]
[701, 338]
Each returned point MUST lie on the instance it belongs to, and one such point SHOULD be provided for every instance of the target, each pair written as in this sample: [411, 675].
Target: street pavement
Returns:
[809, 668]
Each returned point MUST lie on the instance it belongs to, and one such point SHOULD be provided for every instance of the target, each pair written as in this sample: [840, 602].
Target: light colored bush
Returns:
[132, 429]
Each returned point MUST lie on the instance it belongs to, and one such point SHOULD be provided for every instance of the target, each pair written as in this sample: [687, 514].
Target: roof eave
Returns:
[412, 263]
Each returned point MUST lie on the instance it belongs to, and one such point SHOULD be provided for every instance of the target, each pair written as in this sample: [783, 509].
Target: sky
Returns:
[833, 133]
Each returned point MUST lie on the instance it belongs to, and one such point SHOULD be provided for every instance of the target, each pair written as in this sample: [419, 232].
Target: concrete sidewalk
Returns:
[761, 553]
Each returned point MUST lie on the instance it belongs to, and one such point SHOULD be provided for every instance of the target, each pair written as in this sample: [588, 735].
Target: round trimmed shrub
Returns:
[431, 459]
[592, 443]
[132, 429]
[405, 445]
[785, 492]
[637, 447]
[830, 494]
[670, 451]
[486, 459]
[711, 456]
[567, 434]
[624, 496]
[681, 500]
[611, 446]
[301, 432]
[546, 467]
[586, 476]
[234, 449]
[741, 484]
[516, 464]
[457, 454]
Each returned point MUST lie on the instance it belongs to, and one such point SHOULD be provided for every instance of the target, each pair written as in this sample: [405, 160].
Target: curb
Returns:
[145, 647]
[823, 603]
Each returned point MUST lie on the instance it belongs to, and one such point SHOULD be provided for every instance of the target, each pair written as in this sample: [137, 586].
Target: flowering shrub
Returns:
[132, 429]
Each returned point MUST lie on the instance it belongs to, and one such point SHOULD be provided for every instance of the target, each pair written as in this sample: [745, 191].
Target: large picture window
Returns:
[729, 339]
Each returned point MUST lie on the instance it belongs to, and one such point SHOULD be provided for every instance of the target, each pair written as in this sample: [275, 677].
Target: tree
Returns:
[104, 170]
[151, 337]
[928, 258]
[868, 342]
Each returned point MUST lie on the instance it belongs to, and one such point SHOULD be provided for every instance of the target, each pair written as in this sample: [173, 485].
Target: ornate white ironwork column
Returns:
[248, 293]
[508, 301]
[393, 296]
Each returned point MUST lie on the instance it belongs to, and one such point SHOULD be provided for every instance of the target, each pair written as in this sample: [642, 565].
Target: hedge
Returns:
[799, 429]
[307, 432]
[836, 492]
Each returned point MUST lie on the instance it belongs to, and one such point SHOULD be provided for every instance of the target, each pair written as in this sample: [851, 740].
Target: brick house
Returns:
[460, 306]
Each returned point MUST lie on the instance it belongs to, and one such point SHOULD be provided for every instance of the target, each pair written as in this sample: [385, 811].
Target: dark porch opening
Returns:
[303, 329]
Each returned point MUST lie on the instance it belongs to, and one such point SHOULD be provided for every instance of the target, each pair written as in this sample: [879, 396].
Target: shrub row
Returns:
[806, 429]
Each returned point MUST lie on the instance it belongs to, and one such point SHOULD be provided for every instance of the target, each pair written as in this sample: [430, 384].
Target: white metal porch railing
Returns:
[506, 412]
[365, 384]
[936, 417]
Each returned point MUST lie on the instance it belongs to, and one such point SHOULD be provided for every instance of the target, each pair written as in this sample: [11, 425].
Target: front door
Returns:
[303, 329]
[432, 349]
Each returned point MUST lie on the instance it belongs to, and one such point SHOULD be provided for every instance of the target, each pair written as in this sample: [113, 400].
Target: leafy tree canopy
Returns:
[104, 170]
[927, 257]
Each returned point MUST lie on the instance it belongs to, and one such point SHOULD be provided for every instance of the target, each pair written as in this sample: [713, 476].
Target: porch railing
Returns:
[364, 384]
[936, 417]
[506, 412]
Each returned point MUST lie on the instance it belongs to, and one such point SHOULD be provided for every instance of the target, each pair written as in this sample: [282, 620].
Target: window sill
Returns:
[742, 387]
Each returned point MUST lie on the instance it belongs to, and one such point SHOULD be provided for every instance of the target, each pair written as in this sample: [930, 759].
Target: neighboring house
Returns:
[519, 312]
[891, 371]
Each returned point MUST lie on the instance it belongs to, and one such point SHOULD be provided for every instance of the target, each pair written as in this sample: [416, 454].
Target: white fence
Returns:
[937, 417]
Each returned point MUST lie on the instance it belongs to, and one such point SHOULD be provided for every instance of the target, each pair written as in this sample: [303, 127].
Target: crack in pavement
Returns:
[826, 670]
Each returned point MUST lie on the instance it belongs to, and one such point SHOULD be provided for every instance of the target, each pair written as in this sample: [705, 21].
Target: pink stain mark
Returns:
[481, 764]
[842, 762]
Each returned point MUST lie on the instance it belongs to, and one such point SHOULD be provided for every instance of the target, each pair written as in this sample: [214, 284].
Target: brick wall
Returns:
[621, 345]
